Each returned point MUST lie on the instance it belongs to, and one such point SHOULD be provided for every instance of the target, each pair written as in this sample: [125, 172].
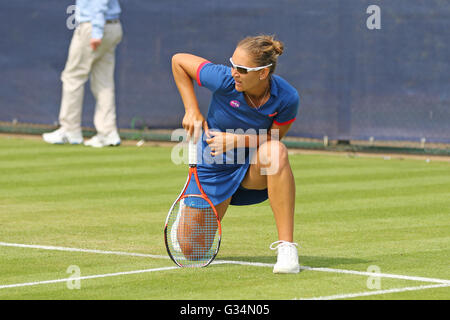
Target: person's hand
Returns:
[221, 142]
[193, 123]
[95, 43]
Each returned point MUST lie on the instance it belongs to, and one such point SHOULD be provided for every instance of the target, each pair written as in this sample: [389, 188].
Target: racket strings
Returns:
[194, 232]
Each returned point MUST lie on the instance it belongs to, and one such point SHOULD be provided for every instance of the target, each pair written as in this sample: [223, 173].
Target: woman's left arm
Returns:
[282, 130]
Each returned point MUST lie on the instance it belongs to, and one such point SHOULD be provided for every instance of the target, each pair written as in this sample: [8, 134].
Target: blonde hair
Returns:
[264, 49]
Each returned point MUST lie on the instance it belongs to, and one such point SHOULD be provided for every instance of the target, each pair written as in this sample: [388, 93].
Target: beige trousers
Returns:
[83, 62]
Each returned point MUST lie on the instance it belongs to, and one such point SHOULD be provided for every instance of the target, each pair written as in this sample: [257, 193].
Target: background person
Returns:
[91, 53]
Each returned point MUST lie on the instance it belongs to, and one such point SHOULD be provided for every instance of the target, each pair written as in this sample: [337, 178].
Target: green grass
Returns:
[351, 213]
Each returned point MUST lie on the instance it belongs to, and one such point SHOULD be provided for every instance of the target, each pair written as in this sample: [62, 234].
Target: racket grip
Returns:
[192, 152]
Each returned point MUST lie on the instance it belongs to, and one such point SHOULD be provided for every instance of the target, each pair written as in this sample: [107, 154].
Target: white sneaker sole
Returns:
[64, 141]
[279, 270]
[93, 145]
[101, 145]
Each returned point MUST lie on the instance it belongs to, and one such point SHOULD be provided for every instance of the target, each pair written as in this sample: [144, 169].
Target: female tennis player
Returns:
[242, 160]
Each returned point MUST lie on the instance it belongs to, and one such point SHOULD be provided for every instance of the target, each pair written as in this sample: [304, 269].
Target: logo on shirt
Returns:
[235, 103]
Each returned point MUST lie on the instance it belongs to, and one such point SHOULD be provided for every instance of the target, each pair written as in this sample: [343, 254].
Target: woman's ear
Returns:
[264, 73]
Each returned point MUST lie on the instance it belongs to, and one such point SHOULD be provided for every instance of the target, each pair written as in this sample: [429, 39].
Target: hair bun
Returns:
[278, 47]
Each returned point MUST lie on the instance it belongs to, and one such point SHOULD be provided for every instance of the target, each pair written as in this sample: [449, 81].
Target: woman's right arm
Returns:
[184, 69]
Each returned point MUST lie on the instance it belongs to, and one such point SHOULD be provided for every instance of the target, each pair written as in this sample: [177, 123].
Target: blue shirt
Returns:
[229, 110]
[97, 12]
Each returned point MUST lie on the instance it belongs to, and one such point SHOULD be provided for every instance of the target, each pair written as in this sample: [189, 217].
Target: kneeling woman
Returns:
[250, 111]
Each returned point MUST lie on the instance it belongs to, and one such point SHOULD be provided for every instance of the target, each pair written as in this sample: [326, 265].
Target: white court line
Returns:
[378, 292]
[379, 275]
[85, 277]
[255, 264]
[352, 272]
[120, 253]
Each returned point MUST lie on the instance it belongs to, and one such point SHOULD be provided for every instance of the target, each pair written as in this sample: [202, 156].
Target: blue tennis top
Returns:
[221, 176]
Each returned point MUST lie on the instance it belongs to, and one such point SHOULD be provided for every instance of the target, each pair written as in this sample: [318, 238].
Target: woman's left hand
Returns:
[221, 142]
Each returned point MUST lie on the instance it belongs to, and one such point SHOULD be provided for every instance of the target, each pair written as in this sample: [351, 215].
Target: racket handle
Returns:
[192, 152]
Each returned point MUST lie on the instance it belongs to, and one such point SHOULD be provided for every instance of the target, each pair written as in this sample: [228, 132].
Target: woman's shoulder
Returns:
[284, 89]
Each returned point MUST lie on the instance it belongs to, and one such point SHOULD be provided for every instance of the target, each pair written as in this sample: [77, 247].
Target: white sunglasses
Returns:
[244, 70]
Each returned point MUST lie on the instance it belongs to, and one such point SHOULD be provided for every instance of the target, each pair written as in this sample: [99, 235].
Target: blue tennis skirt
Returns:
[242, 197]
[221, 181]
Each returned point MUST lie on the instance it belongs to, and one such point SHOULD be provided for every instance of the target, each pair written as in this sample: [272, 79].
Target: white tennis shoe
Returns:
[287, 259]
[62, 136]
[100, 141]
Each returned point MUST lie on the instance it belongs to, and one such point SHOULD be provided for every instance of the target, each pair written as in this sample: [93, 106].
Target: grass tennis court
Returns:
[103, 210]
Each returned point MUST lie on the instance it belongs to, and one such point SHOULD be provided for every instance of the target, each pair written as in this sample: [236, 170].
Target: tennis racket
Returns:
[192, 232]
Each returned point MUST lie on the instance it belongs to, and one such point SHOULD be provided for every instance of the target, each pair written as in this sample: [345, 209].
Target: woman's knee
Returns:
[273, 156]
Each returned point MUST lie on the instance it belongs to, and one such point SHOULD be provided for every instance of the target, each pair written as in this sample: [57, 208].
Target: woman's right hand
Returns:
[193, 123]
